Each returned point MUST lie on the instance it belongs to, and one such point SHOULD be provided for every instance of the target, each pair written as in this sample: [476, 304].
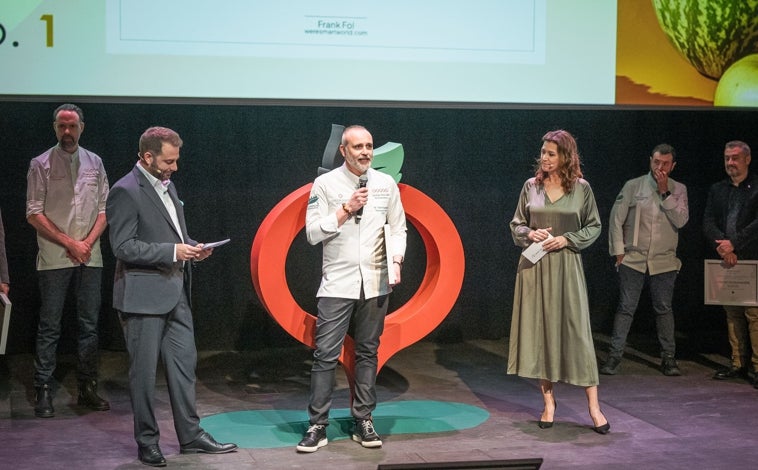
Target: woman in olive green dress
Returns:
[550, 338]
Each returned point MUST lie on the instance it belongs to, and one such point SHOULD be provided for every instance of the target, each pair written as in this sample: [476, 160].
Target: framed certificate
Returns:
[5, 320]
[737, 285]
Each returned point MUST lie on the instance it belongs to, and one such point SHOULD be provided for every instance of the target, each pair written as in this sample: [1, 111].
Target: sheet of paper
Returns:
[215, 244]
[5, 320]
[535, 252]
[388, 251]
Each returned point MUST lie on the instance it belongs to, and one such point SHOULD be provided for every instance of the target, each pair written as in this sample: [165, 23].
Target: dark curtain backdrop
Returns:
[238, 161]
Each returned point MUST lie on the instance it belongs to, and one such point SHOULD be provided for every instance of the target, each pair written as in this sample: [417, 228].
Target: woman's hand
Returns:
[540, 234]
[555, 243]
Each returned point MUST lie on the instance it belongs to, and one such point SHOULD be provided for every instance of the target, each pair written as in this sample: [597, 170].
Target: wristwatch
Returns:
[346, 208]
[665, 195]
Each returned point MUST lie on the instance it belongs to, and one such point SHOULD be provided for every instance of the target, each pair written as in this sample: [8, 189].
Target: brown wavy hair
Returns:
[569, 165]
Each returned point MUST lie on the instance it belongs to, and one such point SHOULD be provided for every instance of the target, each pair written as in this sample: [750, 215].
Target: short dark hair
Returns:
[744, 148]
[664, 149]
[153, 138]
[69, 107]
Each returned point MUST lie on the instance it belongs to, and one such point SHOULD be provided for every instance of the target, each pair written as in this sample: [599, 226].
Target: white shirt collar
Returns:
[159, 185]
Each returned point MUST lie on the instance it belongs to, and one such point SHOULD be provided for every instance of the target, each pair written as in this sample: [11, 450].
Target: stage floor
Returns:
[657, 422]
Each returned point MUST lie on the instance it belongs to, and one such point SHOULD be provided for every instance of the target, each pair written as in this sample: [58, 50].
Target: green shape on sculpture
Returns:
[389, 159]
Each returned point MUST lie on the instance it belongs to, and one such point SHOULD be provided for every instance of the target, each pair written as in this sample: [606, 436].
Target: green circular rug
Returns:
[257, 429]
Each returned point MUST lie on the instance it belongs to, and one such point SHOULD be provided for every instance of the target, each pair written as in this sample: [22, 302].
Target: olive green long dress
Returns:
[550, 334]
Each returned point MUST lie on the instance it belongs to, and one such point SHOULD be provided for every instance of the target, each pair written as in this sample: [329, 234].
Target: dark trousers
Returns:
[661, 286]
[54, 286]
[171, 337]
[331, 327]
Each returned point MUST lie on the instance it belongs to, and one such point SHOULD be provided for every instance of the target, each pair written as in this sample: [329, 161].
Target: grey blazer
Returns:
[142, 236]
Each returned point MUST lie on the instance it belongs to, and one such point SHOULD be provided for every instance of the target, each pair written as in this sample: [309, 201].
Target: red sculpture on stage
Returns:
[408, 324]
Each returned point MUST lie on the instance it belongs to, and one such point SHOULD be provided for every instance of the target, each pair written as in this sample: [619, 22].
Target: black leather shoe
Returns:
[365, 434]
[611, 366]
[88, 396]
[43, 405]
[151, 455]
[669, 367]
[206, 444]
[313, 439]
[730, 373]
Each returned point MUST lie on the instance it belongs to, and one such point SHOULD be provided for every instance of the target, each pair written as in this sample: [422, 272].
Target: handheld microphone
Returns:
[361, 184]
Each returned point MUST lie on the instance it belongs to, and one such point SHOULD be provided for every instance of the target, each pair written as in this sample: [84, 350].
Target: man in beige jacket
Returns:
[644, 233]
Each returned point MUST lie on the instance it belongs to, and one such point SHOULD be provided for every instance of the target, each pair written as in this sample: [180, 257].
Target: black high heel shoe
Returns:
[548, 424]
[602, 429]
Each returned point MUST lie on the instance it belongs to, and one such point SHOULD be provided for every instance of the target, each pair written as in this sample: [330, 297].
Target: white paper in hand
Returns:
[388, 249]
[535, 252]
[210, 245]
[5, 320]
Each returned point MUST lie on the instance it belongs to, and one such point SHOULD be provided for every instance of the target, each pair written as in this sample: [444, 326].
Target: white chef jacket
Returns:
[354, 254]
[70, 190]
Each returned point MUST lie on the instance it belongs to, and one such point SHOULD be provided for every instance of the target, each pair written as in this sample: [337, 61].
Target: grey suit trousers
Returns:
[171, 337]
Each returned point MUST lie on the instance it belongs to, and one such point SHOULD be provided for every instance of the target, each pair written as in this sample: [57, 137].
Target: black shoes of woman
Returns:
[602, 429]
[548, 424]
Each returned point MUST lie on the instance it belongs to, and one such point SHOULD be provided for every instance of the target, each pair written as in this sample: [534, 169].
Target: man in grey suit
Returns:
[151, 291]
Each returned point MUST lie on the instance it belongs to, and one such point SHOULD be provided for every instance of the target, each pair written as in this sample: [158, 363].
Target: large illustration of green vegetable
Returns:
[710, 34]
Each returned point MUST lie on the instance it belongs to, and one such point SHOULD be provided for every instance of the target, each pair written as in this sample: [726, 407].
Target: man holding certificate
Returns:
[730, 225]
